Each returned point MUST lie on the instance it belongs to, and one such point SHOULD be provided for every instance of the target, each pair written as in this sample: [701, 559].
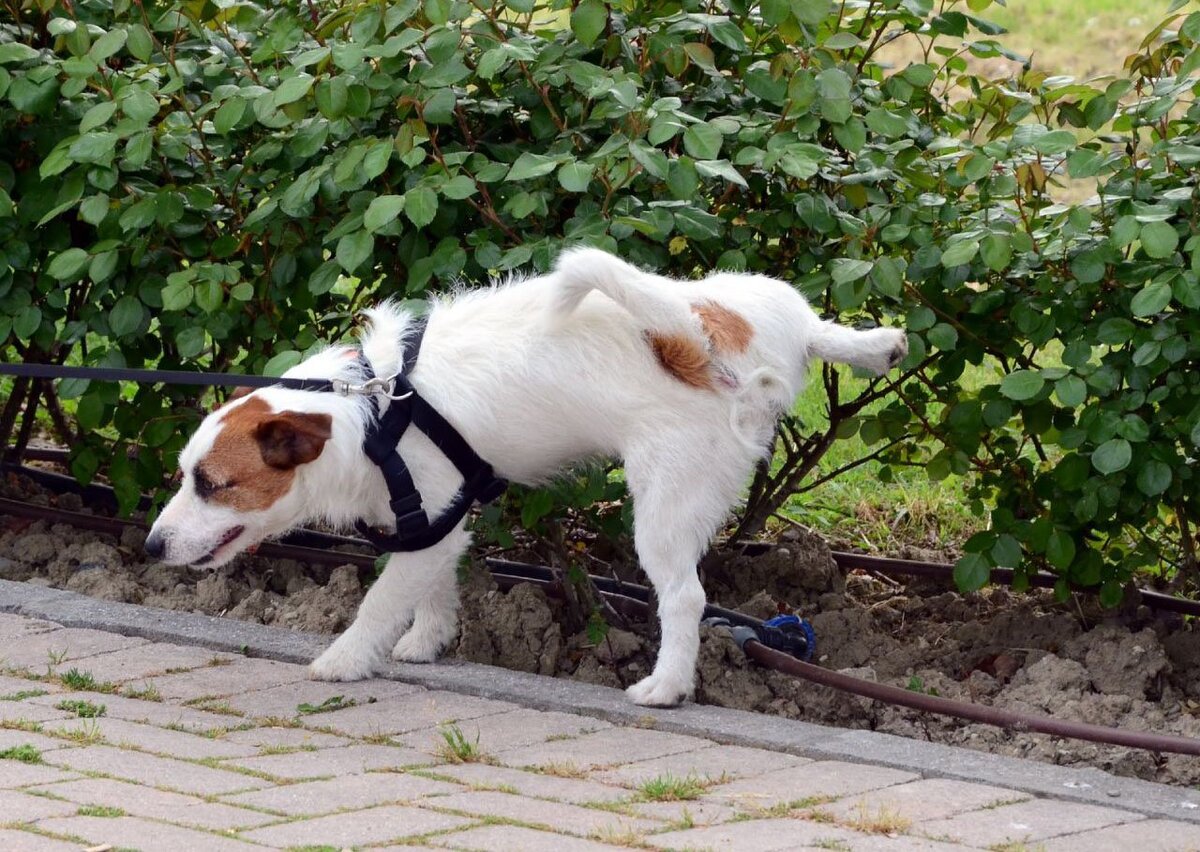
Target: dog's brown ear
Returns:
[292, 438]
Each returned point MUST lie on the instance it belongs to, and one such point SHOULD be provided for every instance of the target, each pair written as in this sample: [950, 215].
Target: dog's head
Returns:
[238, 482]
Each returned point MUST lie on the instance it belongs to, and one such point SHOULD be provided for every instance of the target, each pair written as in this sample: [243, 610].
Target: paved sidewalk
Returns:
[118, 740]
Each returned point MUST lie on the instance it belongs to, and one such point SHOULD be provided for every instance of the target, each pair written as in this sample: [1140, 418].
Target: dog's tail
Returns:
[645, 296]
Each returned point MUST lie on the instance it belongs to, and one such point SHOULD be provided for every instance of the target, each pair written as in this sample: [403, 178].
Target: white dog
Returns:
[682, 380]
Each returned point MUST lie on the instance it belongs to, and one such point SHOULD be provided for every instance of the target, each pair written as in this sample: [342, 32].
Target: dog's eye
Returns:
[204, 485]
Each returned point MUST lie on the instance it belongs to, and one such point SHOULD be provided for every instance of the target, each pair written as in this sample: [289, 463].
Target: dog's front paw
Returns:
[659, 690]
[336, 664]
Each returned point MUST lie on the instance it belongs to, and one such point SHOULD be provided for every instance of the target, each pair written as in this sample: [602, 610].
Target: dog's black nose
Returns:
[155, 545]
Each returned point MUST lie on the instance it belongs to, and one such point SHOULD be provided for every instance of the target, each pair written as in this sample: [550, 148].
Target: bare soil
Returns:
[1129, 668]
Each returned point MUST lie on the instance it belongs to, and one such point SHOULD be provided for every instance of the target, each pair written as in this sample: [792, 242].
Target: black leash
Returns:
[170, 377]
[404, 407]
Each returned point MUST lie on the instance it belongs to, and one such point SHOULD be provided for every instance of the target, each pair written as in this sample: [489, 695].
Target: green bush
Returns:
[224, 186]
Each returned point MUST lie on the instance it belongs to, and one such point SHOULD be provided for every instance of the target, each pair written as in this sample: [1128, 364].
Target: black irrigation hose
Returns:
[629, 597]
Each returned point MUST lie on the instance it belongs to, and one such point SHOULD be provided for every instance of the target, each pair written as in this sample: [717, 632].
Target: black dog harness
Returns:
[405, 407]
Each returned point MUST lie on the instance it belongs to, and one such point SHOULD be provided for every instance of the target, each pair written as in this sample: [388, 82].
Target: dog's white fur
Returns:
[538, 374]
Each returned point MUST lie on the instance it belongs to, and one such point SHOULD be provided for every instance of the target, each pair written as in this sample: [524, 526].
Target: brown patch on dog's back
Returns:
[249, 437]
[683, 358]
[728, 330]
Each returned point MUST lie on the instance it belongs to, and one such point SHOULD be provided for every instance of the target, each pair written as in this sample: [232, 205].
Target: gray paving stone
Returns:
[27, 711]
[141, 801]
[503, 731]
[14, 738]
[815, 780]
[610, 747]
[276, 738]
[577, 791]
[407, 713]
[905, 843]
[151, 712]
[1159, 835]
[143, 835]
[10, 686]
[154, 771]
[347, 792]
[283, 702]
[350, 760]
[38, 651]
[238, 677]
[14, 773]
[27, 841]
[927, 799]
[20, 625]
[1024, 822]
[374, 825]
[515, 838]
[151, 738]
[145, 662]
[693, 812]
[722, 763]
[555, 816]
[759, 835]
[22, 807]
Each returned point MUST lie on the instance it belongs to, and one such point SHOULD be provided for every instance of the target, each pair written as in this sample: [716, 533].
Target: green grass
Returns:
[856, 509]
[82, 709]
[456, 748]
[84, 682]
[669, 788]
[24, 753]
[100, 811]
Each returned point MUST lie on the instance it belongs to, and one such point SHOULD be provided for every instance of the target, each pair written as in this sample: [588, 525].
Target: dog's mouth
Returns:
[228, 538]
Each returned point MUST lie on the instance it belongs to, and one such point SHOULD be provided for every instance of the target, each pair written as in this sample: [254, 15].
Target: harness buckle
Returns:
[383, 387]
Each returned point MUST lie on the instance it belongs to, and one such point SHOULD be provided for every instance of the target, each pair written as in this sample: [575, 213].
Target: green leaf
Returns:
[190, 342]
[228, 115]
[282, 362]
[1022, 384]
[575, 176]
[97, 116]
[382, 210]
[1151, 299]
[844, 269]
[107, 45]
[140, 44]
[14, 51]
[93, 209]
[1154, 478]
[103, 266]
[332, 97]
[530, 165]
[1055, 142]
[354, 249]
[125, 316]
[972, 572]
[959, 253]
[1071, 391]
[324, 278]
[722, 169]
[459, 187]
[588, 20]
[702, 141]
[1112, 456]
[69, 265]
[292, 89]
[996, 251]
[1159, 239]
[177, 295]
[420, 205]
[96, 147]
[1060, 549]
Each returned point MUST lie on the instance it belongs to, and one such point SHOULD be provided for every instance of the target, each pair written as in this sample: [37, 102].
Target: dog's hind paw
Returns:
[659, 691]
[420, 646]
[334, 665]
